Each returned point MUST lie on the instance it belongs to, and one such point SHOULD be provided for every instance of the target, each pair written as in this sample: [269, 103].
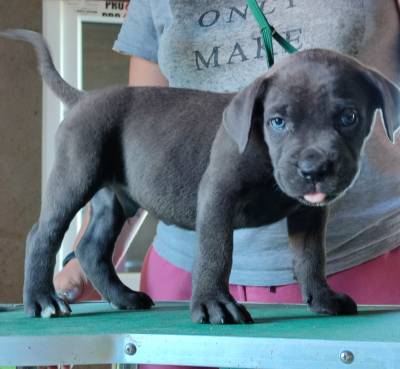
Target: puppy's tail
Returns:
[68, 95]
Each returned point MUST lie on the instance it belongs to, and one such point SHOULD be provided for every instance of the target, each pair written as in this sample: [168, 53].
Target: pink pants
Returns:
[374, 282]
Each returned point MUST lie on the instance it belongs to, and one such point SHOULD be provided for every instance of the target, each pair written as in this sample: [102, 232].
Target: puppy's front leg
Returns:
[306, 229]
[211, 300]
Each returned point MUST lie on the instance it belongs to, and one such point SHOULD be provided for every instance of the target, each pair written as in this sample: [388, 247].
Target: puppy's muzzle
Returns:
[315, 166]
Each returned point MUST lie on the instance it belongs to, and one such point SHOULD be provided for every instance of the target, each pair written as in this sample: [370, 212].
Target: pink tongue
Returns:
[315, 197]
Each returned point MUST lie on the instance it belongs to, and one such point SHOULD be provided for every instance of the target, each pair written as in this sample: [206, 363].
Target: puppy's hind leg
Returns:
[71, 184]
[95, 252]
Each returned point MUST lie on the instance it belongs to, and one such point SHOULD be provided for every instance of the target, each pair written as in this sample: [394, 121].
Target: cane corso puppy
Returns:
[286, 146]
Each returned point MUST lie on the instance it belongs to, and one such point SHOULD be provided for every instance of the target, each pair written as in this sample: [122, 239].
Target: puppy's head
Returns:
[316, 109]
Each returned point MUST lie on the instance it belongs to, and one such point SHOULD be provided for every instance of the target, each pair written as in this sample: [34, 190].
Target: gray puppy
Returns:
[284, 147]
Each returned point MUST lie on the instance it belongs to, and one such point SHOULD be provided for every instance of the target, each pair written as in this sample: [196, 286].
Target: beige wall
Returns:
[20, 143]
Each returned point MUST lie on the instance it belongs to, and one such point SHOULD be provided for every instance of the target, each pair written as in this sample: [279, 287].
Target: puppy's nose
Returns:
[314, 165]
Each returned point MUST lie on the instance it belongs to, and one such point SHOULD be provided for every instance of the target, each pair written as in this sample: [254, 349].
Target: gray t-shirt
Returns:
[215, 45]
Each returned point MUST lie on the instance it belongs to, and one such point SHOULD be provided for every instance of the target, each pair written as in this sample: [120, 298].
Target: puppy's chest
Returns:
[261, 205]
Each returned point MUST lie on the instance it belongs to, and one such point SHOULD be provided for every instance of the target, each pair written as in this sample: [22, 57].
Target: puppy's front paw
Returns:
[46, 305]
[333, 303]
[222, 310]
[131, 300]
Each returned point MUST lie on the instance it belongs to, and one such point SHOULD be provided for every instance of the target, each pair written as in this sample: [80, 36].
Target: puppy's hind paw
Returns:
[132, 301]
[47, 306]
[220, 312]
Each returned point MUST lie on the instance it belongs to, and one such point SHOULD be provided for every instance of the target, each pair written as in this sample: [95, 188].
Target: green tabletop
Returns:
[287, 336]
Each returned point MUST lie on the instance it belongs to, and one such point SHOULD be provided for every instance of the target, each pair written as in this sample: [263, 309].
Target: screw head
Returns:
[130, 349]
[347, 357]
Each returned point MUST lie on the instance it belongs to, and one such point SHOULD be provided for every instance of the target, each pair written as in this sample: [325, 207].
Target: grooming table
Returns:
[283, 337]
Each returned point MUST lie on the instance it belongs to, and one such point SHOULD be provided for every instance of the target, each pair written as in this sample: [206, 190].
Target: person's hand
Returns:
[72, 284]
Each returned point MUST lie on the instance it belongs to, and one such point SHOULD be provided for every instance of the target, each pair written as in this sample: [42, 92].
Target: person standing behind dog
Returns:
[216, 46]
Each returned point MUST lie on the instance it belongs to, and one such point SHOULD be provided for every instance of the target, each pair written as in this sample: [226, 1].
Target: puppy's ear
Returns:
[388, 101]
[238, 115]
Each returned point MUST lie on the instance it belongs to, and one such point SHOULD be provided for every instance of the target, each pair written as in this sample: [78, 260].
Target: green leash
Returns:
[268, 32]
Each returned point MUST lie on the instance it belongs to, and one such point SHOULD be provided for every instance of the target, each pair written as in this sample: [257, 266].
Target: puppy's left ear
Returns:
[238, 115]
[388, 96]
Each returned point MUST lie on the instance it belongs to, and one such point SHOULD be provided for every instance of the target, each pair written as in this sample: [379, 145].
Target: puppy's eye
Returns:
[348, 117]
[278, 124]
